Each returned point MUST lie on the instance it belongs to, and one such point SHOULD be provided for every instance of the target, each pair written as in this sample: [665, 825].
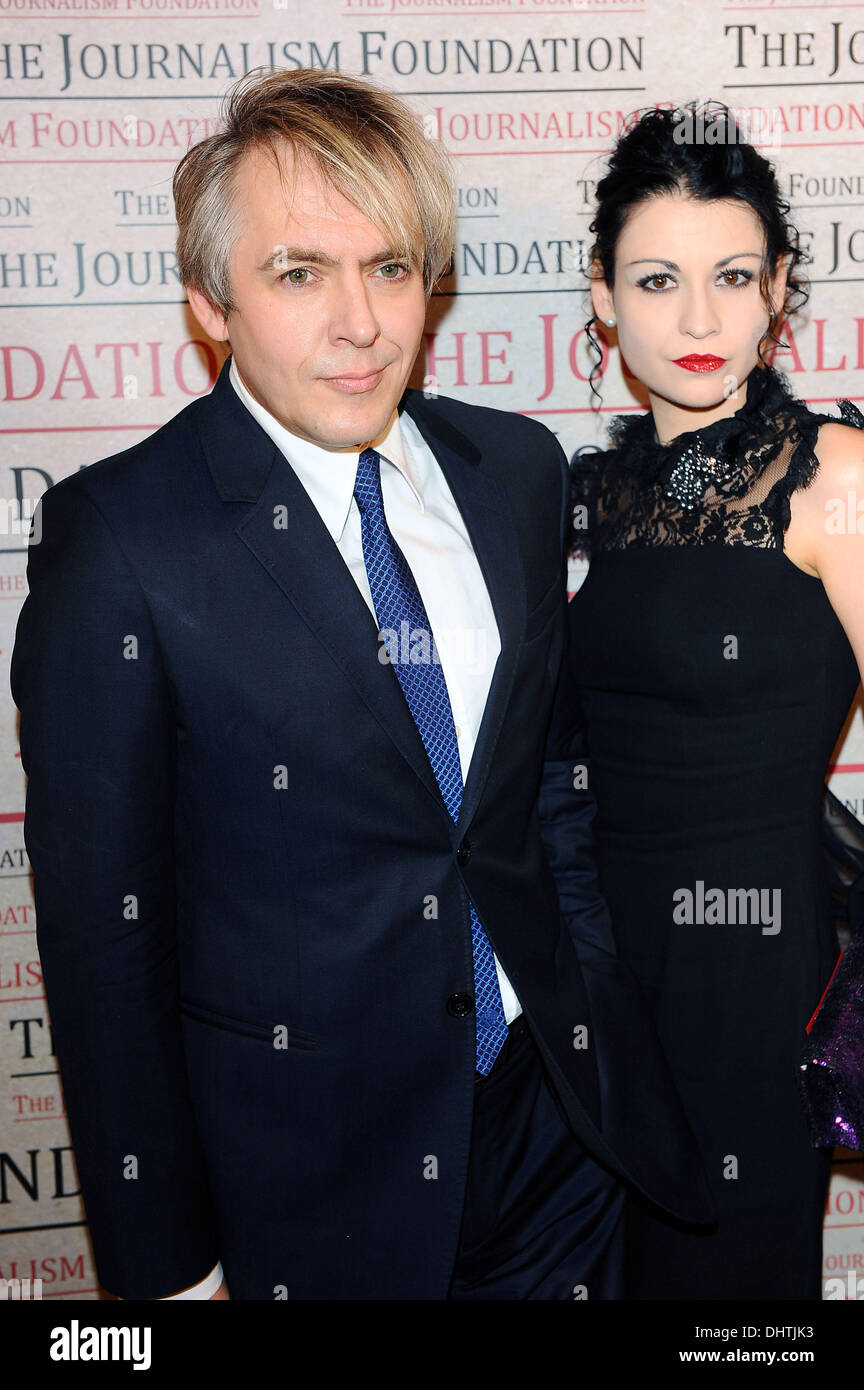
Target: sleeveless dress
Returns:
[715, 680]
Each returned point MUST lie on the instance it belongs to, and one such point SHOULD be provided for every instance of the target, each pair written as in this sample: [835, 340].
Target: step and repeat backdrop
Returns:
[99, 99]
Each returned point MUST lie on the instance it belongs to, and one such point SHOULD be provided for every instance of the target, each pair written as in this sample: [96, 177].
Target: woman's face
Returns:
[686, 299]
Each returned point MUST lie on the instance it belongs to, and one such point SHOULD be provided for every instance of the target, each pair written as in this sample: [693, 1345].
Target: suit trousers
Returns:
[541, 1219]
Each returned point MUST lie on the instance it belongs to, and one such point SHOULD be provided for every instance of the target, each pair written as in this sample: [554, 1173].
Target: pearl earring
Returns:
[611, 323]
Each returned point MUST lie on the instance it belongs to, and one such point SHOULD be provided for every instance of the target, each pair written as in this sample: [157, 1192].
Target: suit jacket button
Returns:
[463, 853]
[458, 1005]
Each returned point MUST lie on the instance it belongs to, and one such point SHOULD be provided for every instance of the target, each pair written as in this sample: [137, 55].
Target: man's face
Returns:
[325, 339]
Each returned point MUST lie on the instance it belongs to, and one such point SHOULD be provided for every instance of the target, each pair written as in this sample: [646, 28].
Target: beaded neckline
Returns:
[729, 481]
[696, 458]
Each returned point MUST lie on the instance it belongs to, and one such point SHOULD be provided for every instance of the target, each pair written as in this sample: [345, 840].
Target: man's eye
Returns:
[296, 270]
[401, 270]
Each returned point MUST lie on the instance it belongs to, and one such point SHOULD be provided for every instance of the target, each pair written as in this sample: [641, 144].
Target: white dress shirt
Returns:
[428, 526]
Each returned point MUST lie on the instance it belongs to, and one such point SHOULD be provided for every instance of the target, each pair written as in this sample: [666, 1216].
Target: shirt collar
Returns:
[328, 475]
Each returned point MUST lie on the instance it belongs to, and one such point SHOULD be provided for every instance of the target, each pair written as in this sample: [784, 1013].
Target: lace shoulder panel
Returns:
[602, 485]
[803, 464]
[730, 481]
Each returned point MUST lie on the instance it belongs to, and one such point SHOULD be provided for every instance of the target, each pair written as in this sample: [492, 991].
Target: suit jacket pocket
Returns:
[295, 1037]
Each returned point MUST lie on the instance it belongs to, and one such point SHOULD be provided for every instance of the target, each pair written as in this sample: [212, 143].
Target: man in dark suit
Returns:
[334, 991]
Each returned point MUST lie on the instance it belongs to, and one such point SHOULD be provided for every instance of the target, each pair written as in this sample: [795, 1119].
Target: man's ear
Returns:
[211, 320]
[601, 295]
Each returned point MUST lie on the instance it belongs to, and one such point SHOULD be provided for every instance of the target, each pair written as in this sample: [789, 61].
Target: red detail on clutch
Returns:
[824, 992]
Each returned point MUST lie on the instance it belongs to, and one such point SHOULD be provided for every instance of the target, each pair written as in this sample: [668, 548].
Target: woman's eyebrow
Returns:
[670, 265]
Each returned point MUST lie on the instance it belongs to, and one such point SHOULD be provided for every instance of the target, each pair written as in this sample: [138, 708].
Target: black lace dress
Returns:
[715, 680]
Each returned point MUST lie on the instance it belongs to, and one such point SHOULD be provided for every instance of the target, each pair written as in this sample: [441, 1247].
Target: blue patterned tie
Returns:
[397, 600]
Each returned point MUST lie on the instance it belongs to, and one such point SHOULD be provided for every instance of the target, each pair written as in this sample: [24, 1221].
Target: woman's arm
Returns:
[826, 532]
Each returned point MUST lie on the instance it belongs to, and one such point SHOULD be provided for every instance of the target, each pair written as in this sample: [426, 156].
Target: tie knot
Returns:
[367, 486]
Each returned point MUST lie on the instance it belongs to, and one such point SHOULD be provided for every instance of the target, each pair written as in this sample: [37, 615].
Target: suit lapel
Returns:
[486, 512]
[285, 533]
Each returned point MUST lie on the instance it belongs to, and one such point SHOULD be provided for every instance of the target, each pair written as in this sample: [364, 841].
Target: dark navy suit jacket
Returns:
[234, 830]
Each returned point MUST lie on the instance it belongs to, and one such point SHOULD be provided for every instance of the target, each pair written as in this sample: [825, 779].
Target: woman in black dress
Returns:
[717, 643]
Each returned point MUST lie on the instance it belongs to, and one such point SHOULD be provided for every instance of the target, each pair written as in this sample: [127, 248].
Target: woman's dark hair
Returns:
[698, 150]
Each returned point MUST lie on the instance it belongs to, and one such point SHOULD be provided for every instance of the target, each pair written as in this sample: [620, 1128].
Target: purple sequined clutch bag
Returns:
[832, 1062]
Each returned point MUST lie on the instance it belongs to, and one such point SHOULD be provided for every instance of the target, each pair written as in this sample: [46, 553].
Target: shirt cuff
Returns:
[205, 1289]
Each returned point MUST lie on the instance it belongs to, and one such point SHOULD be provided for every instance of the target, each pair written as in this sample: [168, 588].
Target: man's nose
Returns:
[353, 315]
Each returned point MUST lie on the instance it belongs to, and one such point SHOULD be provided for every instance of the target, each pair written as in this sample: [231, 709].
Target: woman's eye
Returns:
[650, 279]
[732, 277]
[746, 275]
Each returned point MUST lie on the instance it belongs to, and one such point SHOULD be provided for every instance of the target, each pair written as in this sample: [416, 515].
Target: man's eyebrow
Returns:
[670, 265]
[314, 256]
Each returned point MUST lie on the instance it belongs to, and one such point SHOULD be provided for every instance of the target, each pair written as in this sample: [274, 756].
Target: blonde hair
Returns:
[365, 142]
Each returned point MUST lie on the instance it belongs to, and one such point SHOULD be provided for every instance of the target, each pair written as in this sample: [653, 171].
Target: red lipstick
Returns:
[700, 362]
